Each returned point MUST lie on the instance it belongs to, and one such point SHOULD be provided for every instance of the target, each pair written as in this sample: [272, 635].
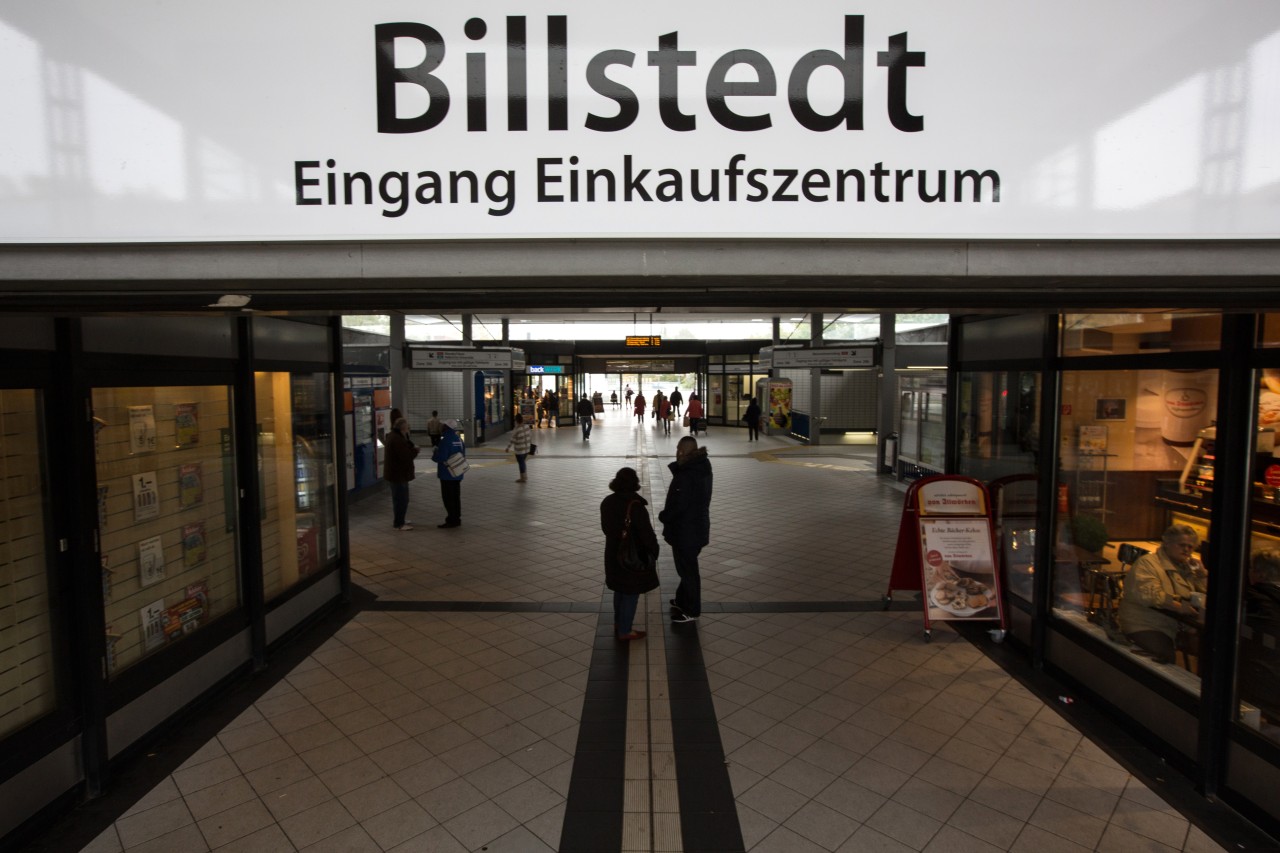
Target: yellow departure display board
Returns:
[644, 340]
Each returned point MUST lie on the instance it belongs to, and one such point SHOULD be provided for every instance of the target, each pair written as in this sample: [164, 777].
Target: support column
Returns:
[888, 385]
[399, 377]
[815, 383]
[468, 422]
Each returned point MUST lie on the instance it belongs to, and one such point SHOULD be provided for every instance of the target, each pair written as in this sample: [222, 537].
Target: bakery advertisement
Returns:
[958, 569]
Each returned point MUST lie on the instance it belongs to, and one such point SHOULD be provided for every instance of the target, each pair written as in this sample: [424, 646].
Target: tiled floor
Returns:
[446, 715]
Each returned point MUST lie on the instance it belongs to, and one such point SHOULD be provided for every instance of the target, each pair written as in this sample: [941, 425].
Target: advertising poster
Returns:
[142, 429]
[111, 639]
[308, 550]
[151, 561]
[186, 427]
[153, 618]
[187, 615]
[194, 549]
[1093, 438]
[780, 407]
[958, 567]
[945, 496]
[190, 485]
[146, 497]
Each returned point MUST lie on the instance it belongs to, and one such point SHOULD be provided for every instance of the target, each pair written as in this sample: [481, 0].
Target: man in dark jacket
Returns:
[587, 415]
[398, 455]
[686, 524]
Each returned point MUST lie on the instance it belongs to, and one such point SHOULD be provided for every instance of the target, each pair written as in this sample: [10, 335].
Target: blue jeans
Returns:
[586, 426]
[624, 611]
[399, 503]
[520, 457]
[689, 592]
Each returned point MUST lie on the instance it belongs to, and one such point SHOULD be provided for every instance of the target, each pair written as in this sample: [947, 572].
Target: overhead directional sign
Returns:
[834, 357]
[462, 359]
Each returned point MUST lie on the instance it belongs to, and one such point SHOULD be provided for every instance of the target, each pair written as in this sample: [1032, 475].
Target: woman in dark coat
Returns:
[626, 586]
[398, 470]
[752, 417]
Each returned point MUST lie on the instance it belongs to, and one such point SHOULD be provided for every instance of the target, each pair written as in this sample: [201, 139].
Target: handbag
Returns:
[633, 559]
[457, 464]
[685, 421]
[533, 448]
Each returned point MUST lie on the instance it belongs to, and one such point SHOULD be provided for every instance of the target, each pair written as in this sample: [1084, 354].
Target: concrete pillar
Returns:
[815, 383]
[888, 385]
[399, 375]
[468, 389]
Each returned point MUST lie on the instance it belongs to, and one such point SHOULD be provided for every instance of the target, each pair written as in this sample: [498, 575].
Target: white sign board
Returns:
[321, 120]
[460, 359]
[951, 497]
[825, 357]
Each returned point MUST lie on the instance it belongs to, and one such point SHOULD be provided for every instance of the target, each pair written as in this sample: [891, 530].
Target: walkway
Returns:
[475, 700]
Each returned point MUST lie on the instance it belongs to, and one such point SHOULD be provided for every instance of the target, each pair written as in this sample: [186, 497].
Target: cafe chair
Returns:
[1108, 586]
[1128, 555]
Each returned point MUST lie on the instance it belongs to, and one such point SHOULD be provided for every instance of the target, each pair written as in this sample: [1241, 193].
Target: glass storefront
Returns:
[922, 420]
[999, 444]
[27, 689]
[1135, 472]
[1258, 650]
[167, 514]
[299, 481]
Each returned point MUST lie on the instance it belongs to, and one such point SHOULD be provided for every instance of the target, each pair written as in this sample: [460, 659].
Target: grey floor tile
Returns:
[141, 827]
[235, 823]
[316, 823]
[479, 825]
[449, 731]
[396, 825]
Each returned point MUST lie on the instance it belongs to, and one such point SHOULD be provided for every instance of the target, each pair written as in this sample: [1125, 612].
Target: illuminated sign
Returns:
[636, 365]
[831, 357]
[644, 340]
[546, 368]
[460, 359]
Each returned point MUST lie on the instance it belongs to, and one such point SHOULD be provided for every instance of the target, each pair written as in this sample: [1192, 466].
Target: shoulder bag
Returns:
[634, 559]
[457, 464]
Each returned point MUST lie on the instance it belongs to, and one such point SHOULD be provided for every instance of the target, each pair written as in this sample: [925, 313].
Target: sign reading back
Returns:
[883, 119]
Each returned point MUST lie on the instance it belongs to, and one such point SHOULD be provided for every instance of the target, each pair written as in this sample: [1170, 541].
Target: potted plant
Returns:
[1089, 532]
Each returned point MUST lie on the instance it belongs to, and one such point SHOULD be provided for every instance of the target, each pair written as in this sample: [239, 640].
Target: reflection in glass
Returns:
[26, 646]
[299, 483]
[999, 443]
[1258, 652]
[1115, 334]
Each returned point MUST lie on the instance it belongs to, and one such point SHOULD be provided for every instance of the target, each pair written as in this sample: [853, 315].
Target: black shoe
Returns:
[683, 618]
[450, 524]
